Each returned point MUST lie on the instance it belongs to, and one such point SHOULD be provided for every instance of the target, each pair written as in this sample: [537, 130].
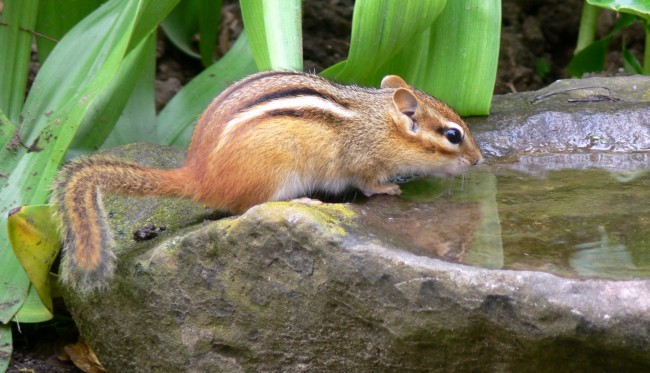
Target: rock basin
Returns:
[289, 287]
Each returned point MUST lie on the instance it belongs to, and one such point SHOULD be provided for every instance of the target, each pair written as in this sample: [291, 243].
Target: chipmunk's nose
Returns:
[479, 160]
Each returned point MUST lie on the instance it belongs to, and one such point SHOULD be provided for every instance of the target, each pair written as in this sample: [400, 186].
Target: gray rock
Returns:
[293, 288]
[569, 115]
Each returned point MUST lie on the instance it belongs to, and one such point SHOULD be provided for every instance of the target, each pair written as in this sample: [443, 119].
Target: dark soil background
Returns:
[535, 34]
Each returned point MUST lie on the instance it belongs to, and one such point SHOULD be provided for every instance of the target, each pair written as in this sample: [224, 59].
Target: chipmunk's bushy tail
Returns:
[88, 247]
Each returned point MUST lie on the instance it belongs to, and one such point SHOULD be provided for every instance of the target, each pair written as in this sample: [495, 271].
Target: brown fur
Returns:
[328, 137]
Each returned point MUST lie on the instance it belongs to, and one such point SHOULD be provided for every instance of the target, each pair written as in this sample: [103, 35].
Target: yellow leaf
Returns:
[33, 234]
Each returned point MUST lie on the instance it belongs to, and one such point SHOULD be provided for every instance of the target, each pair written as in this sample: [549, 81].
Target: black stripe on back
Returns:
[307, 114]
[252, 78]
[294, 92]
[244, 82]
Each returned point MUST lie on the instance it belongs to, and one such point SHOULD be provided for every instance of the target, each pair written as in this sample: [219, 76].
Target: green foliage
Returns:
[590, 53]
[640, 8]
[6, 347]
[542, 67]
[52, 22]
[449, 49]
[380, 29]
[274, 31]
[175, 122]
[189, 18]
[463, 55]
[15, 52]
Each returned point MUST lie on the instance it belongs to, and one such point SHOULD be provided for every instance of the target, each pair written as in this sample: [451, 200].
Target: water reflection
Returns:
[591, 259]
[532, 214]
[440, 228]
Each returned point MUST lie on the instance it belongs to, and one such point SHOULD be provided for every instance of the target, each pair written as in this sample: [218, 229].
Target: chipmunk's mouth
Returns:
[447, 171]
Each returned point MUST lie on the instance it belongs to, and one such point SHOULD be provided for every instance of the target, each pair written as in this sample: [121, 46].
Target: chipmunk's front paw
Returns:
[387, 188]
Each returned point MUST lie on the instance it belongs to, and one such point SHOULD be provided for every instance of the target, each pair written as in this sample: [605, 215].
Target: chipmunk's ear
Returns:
[406, 103]
[393, 81]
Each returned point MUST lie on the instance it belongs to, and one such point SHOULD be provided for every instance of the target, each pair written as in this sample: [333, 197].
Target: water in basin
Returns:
[564, 214]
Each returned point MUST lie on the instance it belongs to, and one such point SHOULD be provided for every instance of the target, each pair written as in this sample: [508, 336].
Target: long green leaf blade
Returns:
[7, 130]
[52, 132]
[175, 121]
[379, 30]
[149, 18]
[19, 17]
[209, 18]
[646, 53]
[189, 18]
[274, 31]
[636, 7]
[412, 61]
[592, 57]
[55, 18]
[6, 347]
[137, 120]
[588, 25]
[464, 53]
[13, 280]
[138, 66]
[33, 310]
[181, 25]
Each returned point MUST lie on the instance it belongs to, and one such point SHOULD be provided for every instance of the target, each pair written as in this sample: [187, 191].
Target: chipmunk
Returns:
[271, 136]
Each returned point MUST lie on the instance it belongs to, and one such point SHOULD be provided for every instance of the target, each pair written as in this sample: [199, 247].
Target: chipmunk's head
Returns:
[433, 139]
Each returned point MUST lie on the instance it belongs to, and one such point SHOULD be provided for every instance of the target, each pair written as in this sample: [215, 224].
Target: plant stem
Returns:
[588, 23]
[646, 53]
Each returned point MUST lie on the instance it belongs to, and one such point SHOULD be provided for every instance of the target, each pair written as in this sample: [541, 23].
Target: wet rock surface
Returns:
[290, 287]
[594, 114]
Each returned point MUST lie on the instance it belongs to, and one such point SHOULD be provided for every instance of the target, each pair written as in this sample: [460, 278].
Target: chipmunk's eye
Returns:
[454, 136]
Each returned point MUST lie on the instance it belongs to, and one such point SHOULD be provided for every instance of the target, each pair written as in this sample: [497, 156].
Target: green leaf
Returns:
[411, 62]
[624, 20]
[18, 16]
[640, 8]
[189, 18]
[69, 82]
[542, 68]
[274, 31]
[149, 18]
[14, 280]
[182, 24]
[463, 55]
[33, 310]
[175, 121]
[590, 58]
[137, 120]
[55, 18]
[6, 346]
[7, 130]
[209, 19]
[631, 64]
[379, 30]
[34, 237]
[138, 66]
[65, 87]
[646, 52]
[588, 25]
